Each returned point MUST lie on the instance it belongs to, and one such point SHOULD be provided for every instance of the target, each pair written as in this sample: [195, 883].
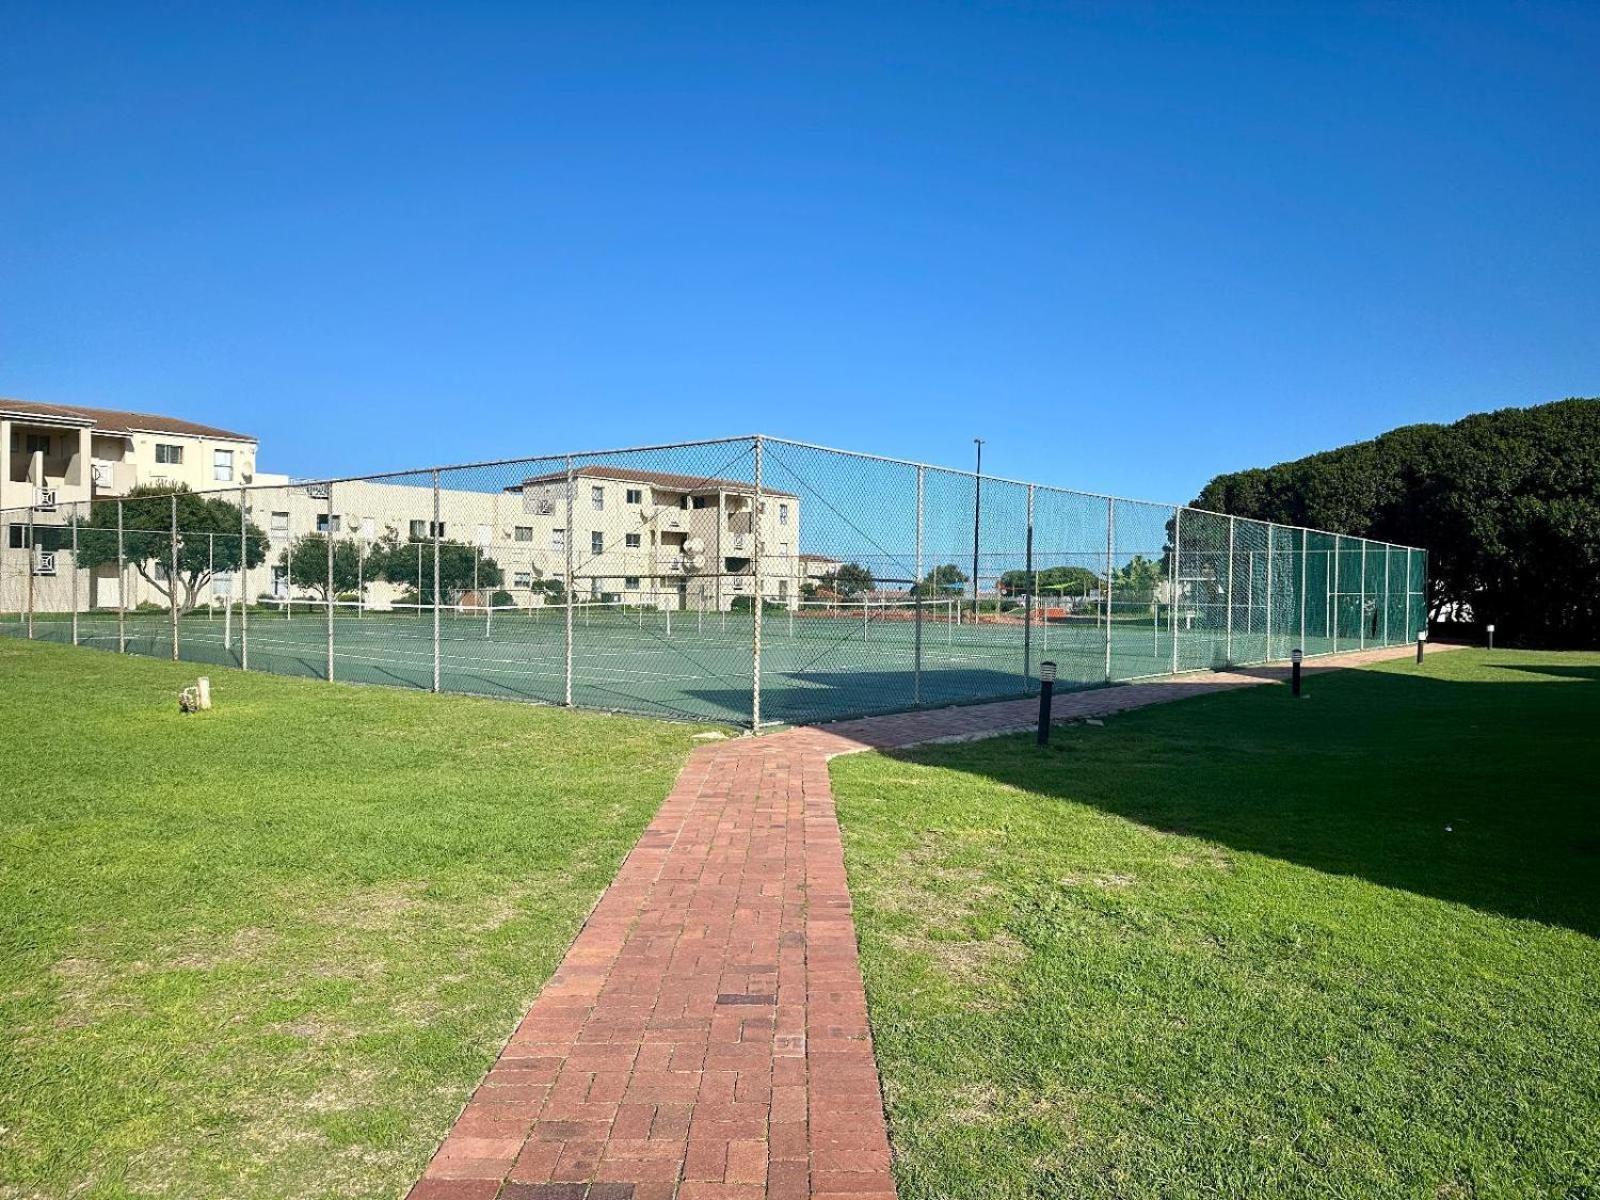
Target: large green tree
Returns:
[462, 567]
[944, 580]
[1051, 581]
[307, 560]
[209, 540]
[1506, 503]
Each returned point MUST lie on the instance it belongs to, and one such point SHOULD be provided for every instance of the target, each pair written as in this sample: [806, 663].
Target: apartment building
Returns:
[638, 536]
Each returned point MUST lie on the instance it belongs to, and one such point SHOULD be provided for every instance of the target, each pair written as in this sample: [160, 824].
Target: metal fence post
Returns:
[916, 591]
[330, 592]
[1305, 539]
[172, 578]
[1361, 628]
[1111, 536]
[755, 648]
[211, 574]
[75, 579]
[436, 539]
[122, 588]
[1176, 582]
[1027, 601]
[568, 540]
[244, 580]
[1268, 656]
[31, 560]
[1386, 549]
[1229, 617]
[1334, 624]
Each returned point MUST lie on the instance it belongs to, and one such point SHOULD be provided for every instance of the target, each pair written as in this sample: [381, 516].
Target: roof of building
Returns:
[818, 558]
[110, 420]
[661, 479]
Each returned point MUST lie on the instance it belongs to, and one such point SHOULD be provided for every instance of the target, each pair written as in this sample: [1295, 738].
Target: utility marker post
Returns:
[1295, 656]
[1047, 688]
[1491, 637]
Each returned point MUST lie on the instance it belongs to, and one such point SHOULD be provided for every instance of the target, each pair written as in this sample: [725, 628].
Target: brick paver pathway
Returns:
[706, 1036]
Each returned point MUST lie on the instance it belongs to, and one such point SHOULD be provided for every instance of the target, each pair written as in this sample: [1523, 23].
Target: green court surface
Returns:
[685, 665]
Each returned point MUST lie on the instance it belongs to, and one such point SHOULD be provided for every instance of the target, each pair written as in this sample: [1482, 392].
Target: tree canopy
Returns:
[208, 539]
[944, 580]
[1506, 503]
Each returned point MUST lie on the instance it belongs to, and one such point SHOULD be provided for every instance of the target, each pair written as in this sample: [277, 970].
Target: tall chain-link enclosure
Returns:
[750, 581]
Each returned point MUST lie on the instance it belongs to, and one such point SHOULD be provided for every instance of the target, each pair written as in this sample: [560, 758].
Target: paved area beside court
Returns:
[706, 1036]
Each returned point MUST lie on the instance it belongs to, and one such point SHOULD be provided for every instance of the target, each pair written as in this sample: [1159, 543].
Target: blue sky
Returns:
[1131, 245]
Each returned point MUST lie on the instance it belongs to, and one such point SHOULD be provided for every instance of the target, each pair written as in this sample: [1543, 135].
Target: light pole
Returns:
[977, 509]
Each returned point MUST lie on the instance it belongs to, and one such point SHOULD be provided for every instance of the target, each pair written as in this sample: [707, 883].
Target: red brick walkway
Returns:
[706, 1036]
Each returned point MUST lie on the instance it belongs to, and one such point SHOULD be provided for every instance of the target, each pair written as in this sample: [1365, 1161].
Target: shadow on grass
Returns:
[1480, 791]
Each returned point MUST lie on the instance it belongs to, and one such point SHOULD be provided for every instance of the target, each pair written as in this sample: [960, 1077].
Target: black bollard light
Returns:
[1422, 637]
[1294, 672]
[1491, 637]
[1047, 687]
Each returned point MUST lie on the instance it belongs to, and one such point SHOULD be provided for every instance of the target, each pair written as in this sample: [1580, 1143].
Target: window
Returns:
[630, 583]
[558, 540]
[170, 454]
[524, 533]
[635, 496]
[222, 466]
[37, 443]
[631, 541]
[783, 589]
[280, 522]
[597, 542]
[783, 514]
[426, 530]
[597, 497]
[19, 535]
[522, 579]
[783, 550]
[702, 502]
[327, 522]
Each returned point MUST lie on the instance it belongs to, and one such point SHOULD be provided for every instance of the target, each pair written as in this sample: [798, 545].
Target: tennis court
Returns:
[687, 665]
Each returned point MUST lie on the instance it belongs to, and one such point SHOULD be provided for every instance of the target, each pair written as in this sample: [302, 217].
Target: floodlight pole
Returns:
[977, 512]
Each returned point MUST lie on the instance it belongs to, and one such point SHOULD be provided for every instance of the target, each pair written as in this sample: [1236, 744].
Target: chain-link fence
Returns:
[747, 580]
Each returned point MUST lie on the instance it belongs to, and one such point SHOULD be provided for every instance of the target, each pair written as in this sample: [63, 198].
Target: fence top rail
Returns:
[425, 476]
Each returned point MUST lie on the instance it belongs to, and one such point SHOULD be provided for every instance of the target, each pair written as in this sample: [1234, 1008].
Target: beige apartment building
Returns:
[637, 536]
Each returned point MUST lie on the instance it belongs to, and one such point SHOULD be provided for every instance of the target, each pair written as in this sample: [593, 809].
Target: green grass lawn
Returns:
[1238, 946]
[268, 950]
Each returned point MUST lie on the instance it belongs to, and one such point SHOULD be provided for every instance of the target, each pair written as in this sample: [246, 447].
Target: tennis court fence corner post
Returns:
[1361, 611]
[758, 601]
[244, 580]
[1267, 657]
[437, 530]
[1111, 538]
[567, 541]
[172, 577]
[76, 518]
[1027, 601]
[1176, 581]
[1228, 617]
[30, 561]
[122, 587]
[331, 595]
[1334, 593]
[1305, 538]
[916, 595]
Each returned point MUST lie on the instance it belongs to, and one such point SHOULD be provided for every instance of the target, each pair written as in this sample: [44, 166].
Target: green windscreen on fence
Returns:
[749, 581]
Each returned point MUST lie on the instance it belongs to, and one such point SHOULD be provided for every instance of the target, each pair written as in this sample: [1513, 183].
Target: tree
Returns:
[1507, 505]
[1137, 579]
[846, 581]
[945, 580]
[208, 540]
[307, 561]
[1052, 581]
[462, 568]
